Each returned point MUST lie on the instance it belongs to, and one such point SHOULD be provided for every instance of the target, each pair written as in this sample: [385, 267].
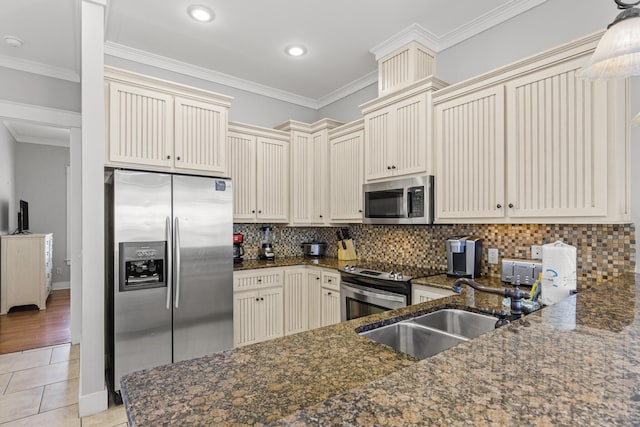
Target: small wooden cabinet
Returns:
[422, 293]
[258, 306]
[296, 301]
[153, 124]
[397, 132]
[346, 154]
[330, 298]
[258, 160]
[26, 270]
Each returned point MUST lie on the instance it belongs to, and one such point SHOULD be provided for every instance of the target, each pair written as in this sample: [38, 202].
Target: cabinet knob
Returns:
[510, 205]
[261, 299]
[257, 299]
[329, 280]
[253, 211]
[328, 293]
[360, 210]
[259, 280]
[392, 167]
[389, 167]
[320, 216]
[259, 211]
[168, 157]
[499, 206]
[178, 158]
[317, 278]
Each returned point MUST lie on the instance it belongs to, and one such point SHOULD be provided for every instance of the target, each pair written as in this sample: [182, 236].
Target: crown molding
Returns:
[39, 68]
[40, 115]
[163, 62]
[56, 142]
[416, 32]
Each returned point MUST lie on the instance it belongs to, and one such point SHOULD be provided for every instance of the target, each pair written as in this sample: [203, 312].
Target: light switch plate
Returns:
[493, 256]
[536, 252]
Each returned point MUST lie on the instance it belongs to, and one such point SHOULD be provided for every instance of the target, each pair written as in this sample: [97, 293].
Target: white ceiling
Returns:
[244, 46]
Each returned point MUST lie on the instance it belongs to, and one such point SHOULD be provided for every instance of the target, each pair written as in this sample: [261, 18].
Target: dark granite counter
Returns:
[574, 363]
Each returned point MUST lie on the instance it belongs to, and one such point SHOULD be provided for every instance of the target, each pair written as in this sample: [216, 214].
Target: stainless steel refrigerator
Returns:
[169, 269]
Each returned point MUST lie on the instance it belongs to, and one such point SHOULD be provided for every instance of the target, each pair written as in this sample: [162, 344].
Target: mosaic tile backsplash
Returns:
[604, 250]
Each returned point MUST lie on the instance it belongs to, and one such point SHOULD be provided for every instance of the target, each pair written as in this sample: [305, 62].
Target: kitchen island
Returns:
[574, 363]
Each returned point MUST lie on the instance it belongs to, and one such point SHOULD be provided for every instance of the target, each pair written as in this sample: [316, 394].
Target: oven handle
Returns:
[378, 295]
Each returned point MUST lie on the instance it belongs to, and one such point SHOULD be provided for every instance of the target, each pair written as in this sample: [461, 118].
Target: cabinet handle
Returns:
[499, 206]
[510, 205]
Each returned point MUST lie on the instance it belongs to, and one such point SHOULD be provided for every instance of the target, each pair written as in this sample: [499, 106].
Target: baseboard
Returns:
[93, 403]
[60, 285]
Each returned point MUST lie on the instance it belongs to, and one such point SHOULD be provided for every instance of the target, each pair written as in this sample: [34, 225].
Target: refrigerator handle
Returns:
[177, 256]
[169, 277]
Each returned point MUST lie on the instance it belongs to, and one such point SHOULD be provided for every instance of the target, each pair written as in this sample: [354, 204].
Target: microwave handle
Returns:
[409, 202]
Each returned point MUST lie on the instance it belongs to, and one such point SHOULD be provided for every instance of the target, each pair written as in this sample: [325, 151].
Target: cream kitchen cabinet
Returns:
[330, 298]
[533, 143]
[397, 132]
[422, 293]
[258, 306]
[347, 175]
[258, 161]
[296, 301]
[314, 283]
[153, 124]
[26, 265]
[309, 170]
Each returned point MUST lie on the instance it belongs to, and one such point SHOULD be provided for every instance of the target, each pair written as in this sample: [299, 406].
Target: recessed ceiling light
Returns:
[201, 13]
[13, 41]
[296, 50]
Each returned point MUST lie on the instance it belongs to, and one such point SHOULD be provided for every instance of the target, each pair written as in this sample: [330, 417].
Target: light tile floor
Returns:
[40, 388]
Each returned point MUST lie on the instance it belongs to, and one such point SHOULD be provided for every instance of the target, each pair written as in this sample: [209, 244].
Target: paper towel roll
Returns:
[559, 272]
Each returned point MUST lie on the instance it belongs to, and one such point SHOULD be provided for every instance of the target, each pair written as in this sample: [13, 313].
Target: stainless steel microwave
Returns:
[402, 201]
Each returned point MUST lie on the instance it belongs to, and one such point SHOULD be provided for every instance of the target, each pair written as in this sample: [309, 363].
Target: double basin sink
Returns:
[431, 333]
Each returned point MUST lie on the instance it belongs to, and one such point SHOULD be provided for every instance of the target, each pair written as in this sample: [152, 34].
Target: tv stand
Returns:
[26, 264]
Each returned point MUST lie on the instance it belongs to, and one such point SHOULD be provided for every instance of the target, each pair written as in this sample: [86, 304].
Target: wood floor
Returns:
[24, 328]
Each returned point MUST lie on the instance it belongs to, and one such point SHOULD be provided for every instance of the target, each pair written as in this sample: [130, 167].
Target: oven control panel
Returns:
[380, 275]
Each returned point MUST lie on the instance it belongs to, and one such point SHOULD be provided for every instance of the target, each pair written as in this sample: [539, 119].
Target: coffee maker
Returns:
[266, 250]
[238, 248]
[464, 256]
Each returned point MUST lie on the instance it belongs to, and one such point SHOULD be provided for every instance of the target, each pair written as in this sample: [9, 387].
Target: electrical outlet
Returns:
[536, 252]
[493, 256]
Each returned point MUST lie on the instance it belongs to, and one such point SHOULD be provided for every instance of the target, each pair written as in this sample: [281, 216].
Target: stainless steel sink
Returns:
[426, 335]
[458, 322]
[414, 339]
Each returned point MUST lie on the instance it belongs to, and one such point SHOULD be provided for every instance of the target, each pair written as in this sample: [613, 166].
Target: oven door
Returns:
[359, 301]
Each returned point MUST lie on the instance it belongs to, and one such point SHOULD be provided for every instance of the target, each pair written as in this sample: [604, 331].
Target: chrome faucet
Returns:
[515, 294]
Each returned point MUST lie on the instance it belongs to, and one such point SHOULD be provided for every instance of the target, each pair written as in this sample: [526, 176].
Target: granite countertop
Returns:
[577, 362]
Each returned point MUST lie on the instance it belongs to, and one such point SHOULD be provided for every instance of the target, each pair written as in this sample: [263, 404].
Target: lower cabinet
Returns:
[421, 293]
[273, 302]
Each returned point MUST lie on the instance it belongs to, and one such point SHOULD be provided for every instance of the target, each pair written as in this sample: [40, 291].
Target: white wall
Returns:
[41, 181]
[246, 107]
[33, 89]
[346, 109]
[8, 210]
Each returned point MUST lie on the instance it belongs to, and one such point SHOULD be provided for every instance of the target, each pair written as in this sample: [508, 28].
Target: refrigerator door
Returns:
[142, 317]
[203, 266]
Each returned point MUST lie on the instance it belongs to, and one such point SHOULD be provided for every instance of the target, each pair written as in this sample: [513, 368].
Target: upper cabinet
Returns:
[397, 132]
[258, 161]
[346, 159]
[153, 124]
[309, 168]
[532, 142]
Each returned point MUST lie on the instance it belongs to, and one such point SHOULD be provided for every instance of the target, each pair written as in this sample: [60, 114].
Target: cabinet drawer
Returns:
[331, 281]
[249, 280]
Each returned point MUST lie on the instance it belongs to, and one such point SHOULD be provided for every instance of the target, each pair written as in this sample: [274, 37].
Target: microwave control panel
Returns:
[415, 200]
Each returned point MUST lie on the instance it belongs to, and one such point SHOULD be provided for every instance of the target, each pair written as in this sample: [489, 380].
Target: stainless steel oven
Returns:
[364, 292]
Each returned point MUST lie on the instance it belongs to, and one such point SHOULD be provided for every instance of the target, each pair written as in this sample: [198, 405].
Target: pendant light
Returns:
[618, 52]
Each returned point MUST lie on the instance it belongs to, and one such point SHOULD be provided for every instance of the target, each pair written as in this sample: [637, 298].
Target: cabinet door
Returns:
[271, 314]
[470, 156]
[301, 178]
[347, 177]
[273, 180]
[557, 143]
[377, 139]
[315, 299]
[242, 167]
[319, 183]
[296, 296]
[330, 306]
[246, 318]
[409, 136]
[201, 132]
[427, 293]
[140, 126]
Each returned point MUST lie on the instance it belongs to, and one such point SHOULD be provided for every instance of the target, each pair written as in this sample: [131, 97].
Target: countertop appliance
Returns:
[401, 201]
[365, 291]
[464, 256]
[314, 249]
[527, 270]
[266, 248]
[170, 269]
[238, 248]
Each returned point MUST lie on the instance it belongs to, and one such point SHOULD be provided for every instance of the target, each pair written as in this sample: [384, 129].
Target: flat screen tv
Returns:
[23, 217]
